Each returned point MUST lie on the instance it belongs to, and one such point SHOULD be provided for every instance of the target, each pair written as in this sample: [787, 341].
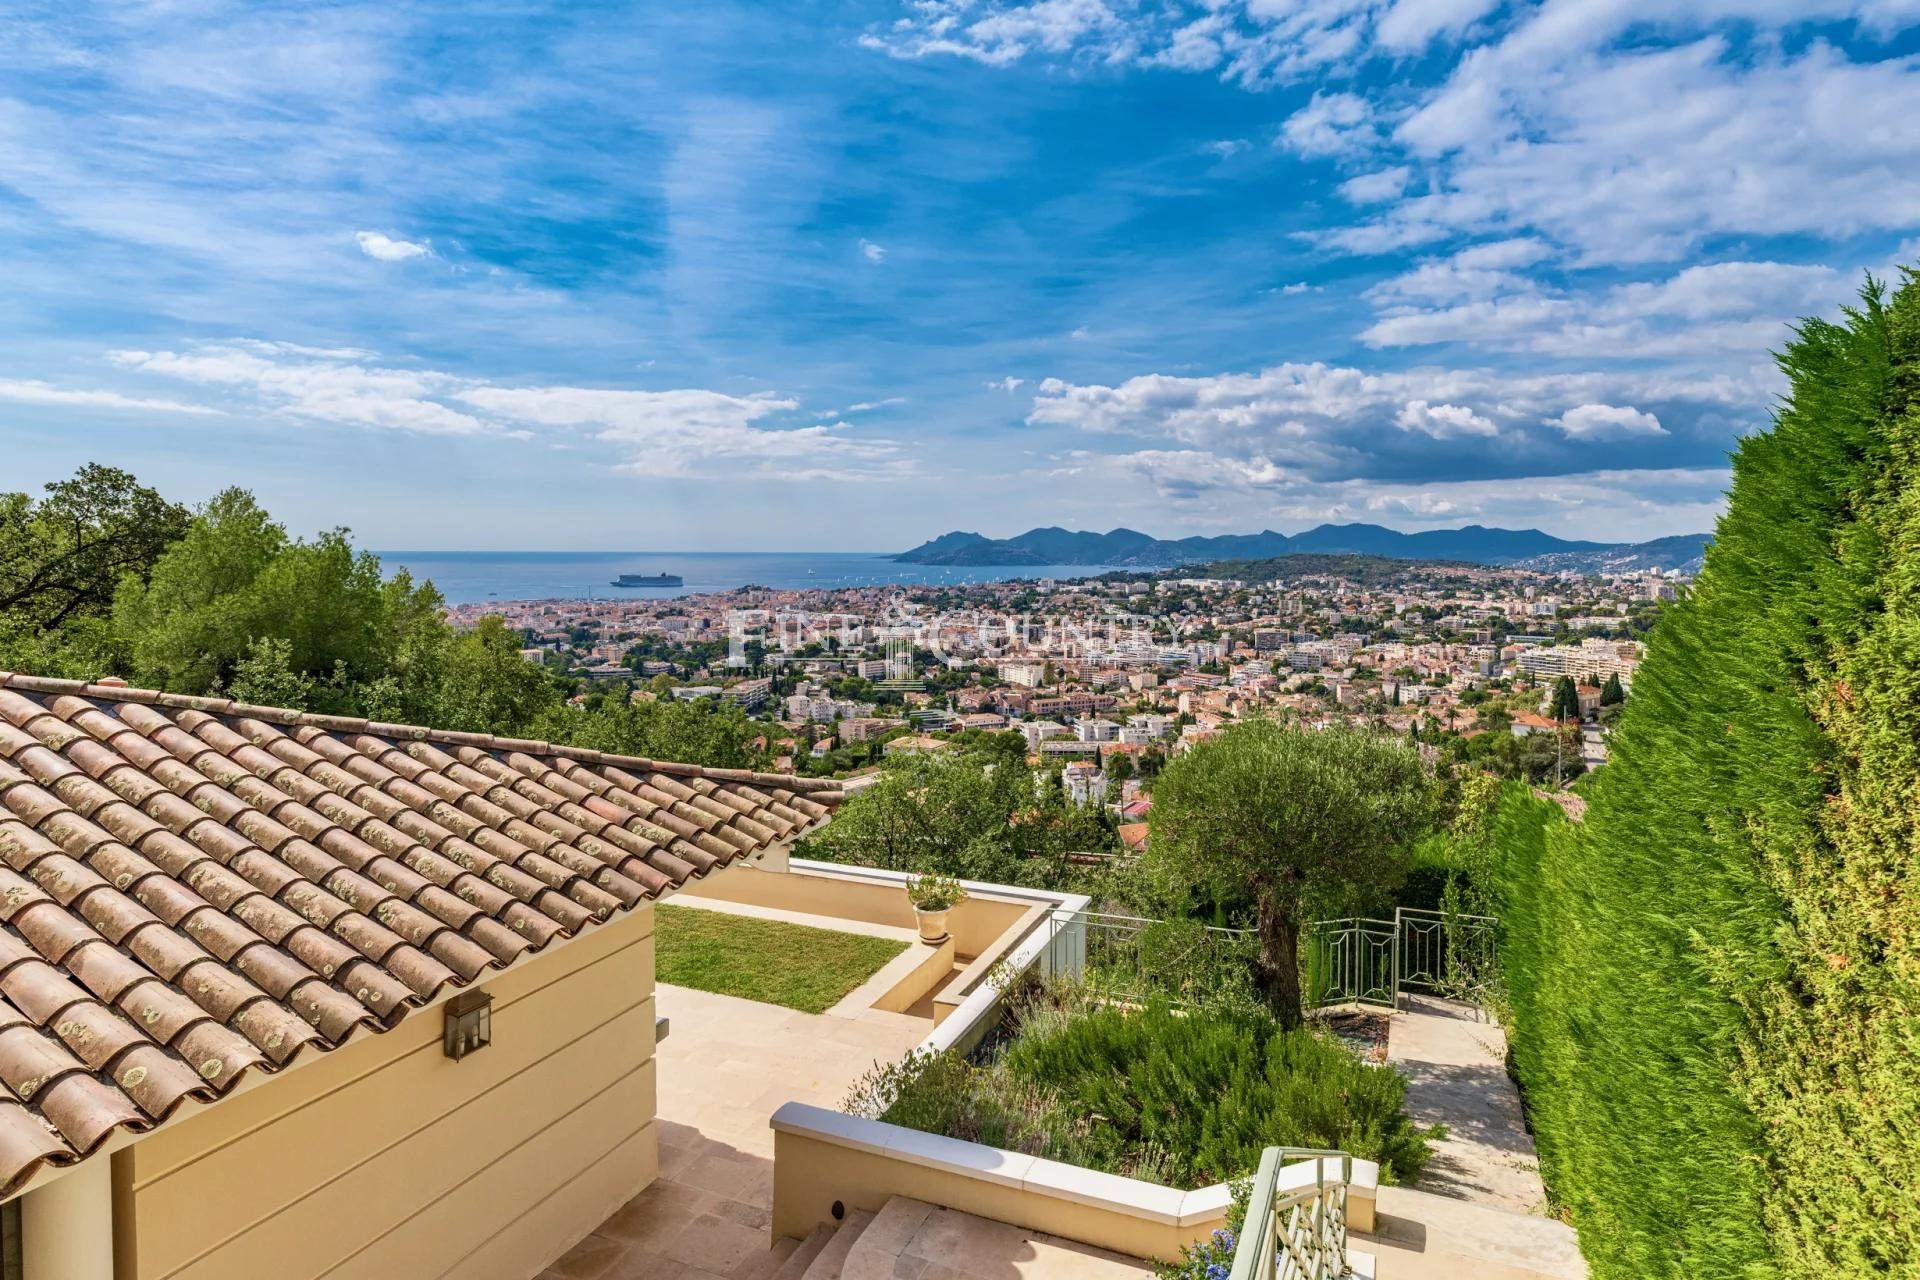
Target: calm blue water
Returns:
[466, 577]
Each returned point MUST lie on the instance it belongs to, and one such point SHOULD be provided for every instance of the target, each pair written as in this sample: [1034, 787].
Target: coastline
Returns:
[520, 577]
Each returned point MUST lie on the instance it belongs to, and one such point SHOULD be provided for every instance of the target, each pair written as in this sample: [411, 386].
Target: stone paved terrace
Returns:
[723, 1069]
[729, 1063]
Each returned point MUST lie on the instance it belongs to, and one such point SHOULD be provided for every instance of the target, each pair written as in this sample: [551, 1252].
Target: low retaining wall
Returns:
[823, 1157]
[859, 893]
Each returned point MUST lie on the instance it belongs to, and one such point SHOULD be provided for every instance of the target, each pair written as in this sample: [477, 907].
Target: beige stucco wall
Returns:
[975, 924]
[385, 1159]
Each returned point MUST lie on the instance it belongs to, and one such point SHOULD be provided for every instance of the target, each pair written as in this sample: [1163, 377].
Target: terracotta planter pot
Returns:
[933, 924]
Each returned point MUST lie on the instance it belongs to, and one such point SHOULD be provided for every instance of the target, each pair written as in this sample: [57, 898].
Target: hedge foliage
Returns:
[1715, 978]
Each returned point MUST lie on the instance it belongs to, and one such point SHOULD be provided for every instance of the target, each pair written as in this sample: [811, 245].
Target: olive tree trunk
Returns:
[1279, 964]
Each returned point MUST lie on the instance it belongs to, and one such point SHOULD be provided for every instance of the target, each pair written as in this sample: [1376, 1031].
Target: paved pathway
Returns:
[1455, 1064]
[1477, 1211]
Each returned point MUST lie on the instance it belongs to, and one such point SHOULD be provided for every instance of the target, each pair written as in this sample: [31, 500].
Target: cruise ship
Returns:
[649, 580]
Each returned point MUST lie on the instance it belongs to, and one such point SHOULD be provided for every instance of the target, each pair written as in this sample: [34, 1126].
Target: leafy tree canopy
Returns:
[64, 555]
[105, 576]
[1294, 817]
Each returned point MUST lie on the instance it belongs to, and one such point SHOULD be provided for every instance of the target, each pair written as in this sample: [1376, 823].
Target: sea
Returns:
[474, 577]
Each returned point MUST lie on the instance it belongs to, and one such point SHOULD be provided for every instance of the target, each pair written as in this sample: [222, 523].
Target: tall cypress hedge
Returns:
[1715, 977]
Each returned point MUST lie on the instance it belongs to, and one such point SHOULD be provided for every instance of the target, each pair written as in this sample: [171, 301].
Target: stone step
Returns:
[832, 1259]
[768, 1263]
[910, 1236]
[1423, 1236]
[873, 1256]
[795, 1267]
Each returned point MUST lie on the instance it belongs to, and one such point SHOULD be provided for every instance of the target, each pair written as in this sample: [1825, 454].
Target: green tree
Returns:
[488, 687]
[63, 557]
[193, 619]
[1292, 817]
[266, 677]
[1612, 694]
[353, 641]
[973, 811]
[705, 731]
[1565, 704]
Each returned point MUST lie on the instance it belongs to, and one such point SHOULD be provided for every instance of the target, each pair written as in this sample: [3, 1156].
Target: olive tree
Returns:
[1286, 816]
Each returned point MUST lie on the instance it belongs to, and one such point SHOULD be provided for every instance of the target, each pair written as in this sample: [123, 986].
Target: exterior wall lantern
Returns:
[469, 1024]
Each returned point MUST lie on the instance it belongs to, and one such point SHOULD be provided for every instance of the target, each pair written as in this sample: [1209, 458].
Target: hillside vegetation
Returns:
[1715, 978]
[105, 576]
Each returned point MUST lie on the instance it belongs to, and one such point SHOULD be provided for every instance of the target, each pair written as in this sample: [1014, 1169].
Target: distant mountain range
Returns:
[1474, 544]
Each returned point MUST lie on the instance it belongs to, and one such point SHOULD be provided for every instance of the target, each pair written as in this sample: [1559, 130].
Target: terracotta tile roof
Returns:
[192, 889]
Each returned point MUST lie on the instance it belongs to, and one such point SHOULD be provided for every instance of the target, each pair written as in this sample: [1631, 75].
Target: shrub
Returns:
[1184, 1098]
[1211, 1088]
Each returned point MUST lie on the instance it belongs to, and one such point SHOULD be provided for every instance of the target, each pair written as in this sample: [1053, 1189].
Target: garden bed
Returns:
[771, 961]
[1361, 1031]
[1182, 1097]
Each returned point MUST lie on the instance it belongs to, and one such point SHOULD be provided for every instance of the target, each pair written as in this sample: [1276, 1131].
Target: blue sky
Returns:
[845, 276]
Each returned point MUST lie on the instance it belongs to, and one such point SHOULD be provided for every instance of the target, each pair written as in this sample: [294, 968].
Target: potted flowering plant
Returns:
[934, 897]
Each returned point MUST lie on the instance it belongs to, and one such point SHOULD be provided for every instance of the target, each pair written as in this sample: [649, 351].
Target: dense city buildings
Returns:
[1090, 669]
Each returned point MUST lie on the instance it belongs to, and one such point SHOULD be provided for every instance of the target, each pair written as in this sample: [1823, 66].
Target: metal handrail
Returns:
[1301, 1235]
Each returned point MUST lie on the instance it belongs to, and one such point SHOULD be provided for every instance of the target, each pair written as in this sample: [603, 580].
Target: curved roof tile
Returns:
[191, 888]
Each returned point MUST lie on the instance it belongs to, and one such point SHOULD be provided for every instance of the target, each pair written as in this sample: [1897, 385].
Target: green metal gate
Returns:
[1361, 960]
[1351, 961]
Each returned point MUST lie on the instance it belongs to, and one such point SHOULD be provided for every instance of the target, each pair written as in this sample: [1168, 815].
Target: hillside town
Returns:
[1106, 678]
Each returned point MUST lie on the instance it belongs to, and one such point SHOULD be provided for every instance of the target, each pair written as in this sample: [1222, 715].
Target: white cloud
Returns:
[1632, 131]
[1331, 124]
[1717, 310]
[1411, 25]
[1442, 421]
[1187, 471]
[679, 432]
[873, 252]
[33, 391]
[1498, 255]
[1337, 423]
[1250, 42]
[1376, 187]
[1006, 384]
[1299, 287]
[1606, 421]
[1757, 139]
[386, 248]
[868, 406]
[1224, 493]
[692, 432]
[340, 391]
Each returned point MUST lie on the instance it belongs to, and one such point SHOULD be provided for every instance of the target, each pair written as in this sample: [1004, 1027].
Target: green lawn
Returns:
[765, 960]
